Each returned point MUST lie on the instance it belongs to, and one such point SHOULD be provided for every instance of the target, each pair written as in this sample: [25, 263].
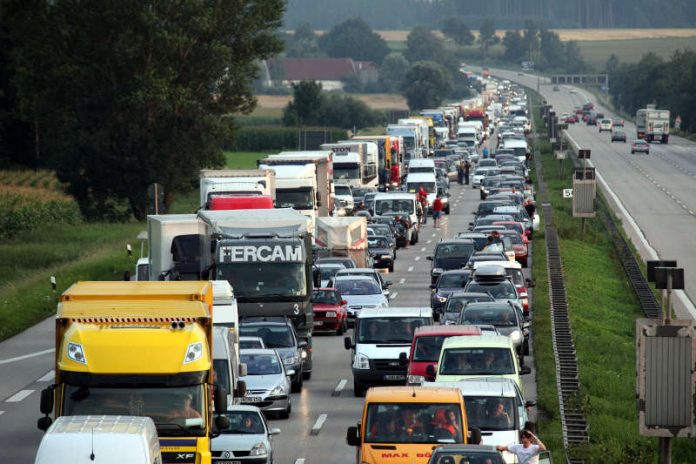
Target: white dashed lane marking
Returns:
[19, 396]
[316, 428]
[47, 377]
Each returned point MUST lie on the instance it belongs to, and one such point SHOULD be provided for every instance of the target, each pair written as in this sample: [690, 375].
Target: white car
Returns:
[246, 439]
[343, 198]
[361, 292]
[267, 381]
[479, 174]
[605, 125]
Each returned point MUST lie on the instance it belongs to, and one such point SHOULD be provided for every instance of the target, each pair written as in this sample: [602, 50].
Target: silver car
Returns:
[360, 292]
[267, 381]
[247, 439]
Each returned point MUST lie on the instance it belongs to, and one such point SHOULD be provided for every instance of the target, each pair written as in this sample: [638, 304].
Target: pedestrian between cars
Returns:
[467, 168]
[527, 452]
[460, 173]
[422, 197]
[437, 210]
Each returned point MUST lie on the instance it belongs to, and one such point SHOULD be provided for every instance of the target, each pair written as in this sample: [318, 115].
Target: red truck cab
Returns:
[426, 345]
[231, 202]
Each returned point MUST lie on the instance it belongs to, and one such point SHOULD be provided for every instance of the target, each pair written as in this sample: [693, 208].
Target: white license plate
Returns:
[318, 322]
[330, 314]
[394, 377]
[228, 462]
[251, 399]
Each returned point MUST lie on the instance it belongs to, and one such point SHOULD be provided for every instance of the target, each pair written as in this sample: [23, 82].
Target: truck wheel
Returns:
[358, 389]
[296, 386]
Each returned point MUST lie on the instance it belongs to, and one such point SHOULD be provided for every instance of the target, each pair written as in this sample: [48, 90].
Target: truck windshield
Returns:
[477, 361]
[413, 423]
[176, 411]
[394, 206]
[491, 412]
[295, 198]
[346, 171]
[409, 143]
[254, 280]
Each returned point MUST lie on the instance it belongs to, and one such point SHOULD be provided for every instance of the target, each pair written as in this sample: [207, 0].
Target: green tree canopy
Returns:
[304, 43]
[457, 30]
[129, 92]
[423, 45]
[487, 35]
[426, 85]
[353, 38]
[393, 71]
[306, 105]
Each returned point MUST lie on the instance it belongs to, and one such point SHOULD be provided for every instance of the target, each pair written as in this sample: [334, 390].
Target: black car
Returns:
[450, 254]
[385, 230]
[480, 239]
[447, 283]
[506, 317]
[456, 302]
[382, 253]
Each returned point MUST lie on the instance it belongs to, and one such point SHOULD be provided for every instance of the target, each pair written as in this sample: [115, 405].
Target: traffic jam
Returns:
[305, 251]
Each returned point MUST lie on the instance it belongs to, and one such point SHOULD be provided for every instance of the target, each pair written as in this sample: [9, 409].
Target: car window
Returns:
[357, 287]
[477, 361]
[276, 336]
[244, 422]
[499, 317]
[452, 280]
[498, 290]
[326, 297]
[261, 364]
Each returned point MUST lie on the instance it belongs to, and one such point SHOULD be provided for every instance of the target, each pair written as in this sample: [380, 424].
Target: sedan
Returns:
[246, 440]
[640, 146]
[507, 318]
[618, 135]
[381, 251]
[330, 313]
[267, 381]
[360, 292]
[448, 282]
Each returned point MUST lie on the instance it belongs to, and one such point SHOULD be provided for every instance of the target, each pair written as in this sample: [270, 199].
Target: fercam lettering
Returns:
[263, 253]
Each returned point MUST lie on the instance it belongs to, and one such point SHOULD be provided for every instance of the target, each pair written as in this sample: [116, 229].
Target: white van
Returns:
[100, 439]
[519, 146]
[396, 202]
[381, 342]
[421, 166]
[496, 407]
[467, 136]
[429, 181]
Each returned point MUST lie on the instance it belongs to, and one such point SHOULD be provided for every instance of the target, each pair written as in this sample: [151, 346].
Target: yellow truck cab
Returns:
[402, 425]
[139, 349]
[478, 356]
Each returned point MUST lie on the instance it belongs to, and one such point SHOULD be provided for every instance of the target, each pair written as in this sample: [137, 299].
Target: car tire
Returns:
[286, 414]
[391, 267]
[414, 238]
[447, 211]
[358, 389]
[306, 375]
[296, 386]
[394, 253]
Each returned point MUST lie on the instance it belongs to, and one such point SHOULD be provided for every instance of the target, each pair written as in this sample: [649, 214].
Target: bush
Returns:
[275, 138]
[24, 208]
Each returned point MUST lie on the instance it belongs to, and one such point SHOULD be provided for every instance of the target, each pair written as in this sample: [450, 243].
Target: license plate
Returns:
[330, 314]
[251, 399]
[318, 322]
[394, 377]
[228, 462]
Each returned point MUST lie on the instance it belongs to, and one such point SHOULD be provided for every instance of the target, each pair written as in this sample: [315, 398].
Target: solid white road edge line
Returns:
[27, 356]
[316, 428]
[19, 396]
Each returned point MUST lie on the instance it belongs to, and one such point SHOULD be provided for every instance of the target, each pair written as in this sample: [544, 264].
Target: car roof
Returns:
[452, 330]
[454, 241]
[485, 386]
[257, 351]
[329, 265]
[326, 289]
[243, 407]
[471, 294]
[359, 270]
[478, 341]
[489, 305]
[395, 312]
[456, 271]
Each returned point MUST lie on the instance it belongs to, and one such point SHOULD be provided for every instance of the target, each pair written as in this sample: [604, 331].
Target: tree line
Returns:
[117, 94]
[508, 14]
[668, 83]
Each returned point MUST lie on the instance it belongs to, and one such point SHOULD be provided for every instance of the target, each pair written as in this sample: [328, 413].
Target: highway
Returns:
[656, 193]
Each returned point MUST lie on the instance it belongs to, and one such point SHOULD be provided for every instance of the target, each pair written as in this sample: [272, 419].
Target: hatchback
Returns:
[640, 146]
[246, 439]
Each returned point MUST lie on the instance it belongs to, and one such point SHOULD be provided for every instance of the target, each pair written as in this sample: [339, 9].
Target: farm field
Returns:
[377, 101]
[597, 52]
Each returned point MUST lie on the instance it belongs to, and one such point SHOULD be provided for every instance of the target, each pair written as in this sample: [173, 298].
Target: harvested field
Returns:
[377, 101]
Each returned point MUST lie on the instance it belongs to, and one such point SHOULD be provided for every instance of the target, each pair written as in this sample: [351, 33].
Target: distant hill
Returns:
[405, 14]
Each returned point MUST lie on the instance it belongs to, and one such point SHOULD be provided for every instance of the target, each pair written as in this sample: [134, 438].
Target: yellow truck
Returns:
[402, 425]
[139, 349]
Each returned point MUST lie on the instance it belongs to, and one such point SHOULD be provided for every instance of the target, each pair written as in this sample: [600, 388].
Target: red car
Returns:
[330, 311]
[426, 345]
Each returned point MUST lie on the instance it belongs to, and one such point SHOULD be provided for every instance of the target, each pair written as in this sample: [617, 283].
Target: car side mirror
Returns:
[302, 344]
[430, 370]
[243, 370]
[387, 283]
[290, 372]
[46, 405]
[344, 302]
[274, 432]
[347, 343]
[433, 286]
[403, 359]
[429, 258]
[524, 370]
[526, 325]
[242, 386]
[530, 404]
[353, 436]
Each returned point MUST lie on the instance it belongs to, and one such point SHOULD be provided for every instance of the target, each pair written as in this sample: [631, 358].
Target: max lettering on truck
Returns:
[262, 253]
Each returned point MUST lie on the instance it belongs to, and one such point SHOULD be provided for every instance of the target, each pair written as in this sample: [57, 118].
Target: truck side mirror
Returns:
[429, 258]
[475, 437]
[241, 385]
[353, 436]
[222, 422]
[46, 405]
[318, 198]
[243, 370]
[316, 277]
[403, 359]
[220, 399]
[347, 343]
[430, 370]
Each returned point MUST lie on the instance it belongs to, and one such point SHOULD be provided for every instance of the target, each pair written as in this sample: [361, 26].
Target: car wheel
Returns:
[394, 253]
[306, 375]
[391, 267]
[447, 211]
[286, 414]
[296, 386]
[358, 389]
[414, 238]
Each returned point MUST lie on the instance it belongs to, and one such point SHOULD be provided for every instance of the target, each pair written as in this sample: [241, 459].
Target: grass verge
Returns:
[243, 159]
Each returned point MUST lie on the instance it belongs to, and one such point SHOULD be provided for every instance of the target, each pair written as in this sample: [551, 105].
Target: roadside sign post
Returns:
[665, 366]
[584, 189]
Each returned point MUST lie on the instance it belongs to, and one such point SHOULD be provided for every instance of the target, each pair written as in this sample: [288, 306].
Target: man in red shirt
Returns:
[422, 198]
[437, 211]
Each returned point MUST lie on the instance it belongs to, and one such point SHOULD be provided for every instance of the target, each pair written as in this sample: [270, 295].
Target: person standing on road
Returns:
[460, 173]
[486, 152]
[467, 168]
[437, 210]
[422, 198]
[526, 452]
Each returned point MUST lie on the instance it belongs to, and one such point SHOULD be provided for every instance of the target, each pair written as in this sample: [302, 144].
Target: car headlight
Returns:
[280, 389]
[361, 362]
[291, 359]
[442, 299]
[303, 354]
[516, 336]
[259, 449]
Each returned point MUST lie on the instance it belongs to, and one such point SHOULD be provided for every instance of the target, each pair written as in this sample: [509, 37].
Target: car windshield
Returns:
[261, 364]
[244, 423]
[388, 329]
[258, 279]
[381, 229]
[428, 348]
[357, 287]
[250, 344]
[273, 336]
[499, 317]
[378, 243]
[413, 187]
[466, 457]
[413, 423]
[176, 411]
[328, 297]
[454, 250]
[342, 190]
[392, 205]
[477, 361]
[295, 198]
[498, 290]
[456, 304]
[516, 276]
[491, 412]
[456, 280]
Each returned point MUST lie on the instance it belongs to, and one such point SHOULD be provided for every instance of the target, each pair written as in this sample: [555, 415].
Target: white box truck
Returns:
[652, 124]
[344, 236]
[355, 163]
[173, 246]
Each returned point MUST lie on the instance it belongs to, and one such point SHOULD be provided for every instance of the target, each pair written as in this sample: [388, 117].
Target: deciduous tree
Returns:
[426, 85]
[457, 30]
[355, 39]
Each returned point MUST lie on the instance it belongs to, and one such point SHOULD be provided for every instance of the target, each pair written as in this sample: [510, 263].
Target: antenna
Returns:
[91, 456]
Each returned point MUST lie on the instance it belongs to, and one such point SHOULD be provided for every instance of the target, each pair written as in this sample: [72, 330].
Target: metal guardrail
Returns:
[573, 423]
